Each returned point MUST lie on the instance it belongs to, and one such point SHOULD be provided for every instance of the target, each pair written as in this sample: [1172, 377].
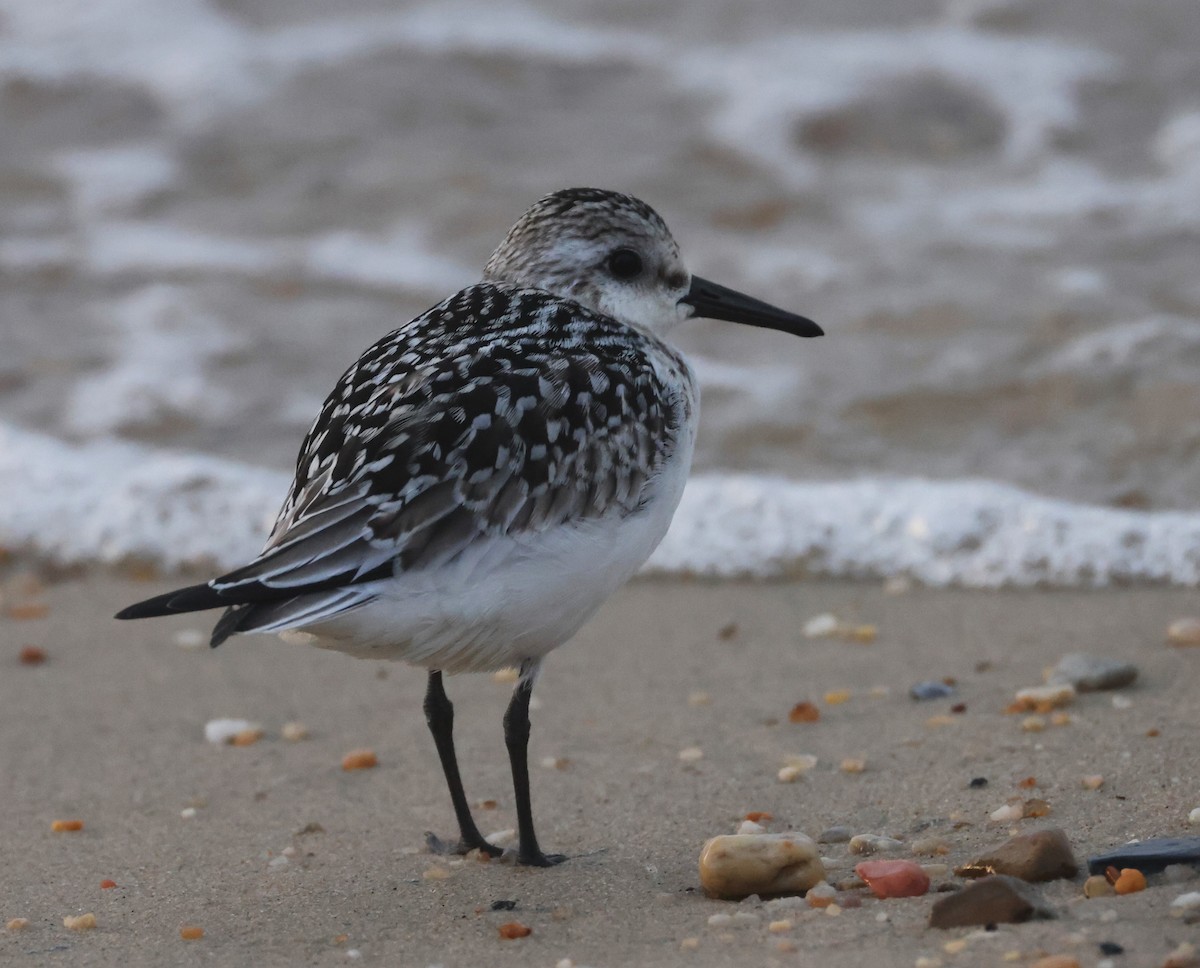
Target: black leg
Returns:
[516, 738]
[439, 714]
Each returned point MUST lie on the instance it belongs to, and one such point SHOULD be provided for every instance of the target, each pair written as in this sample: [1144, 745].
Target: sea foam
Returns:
[109, 502]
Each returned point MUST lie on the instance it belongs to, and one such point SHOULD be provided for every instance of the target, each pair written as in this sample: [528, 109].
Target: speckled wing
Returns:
[499, 412]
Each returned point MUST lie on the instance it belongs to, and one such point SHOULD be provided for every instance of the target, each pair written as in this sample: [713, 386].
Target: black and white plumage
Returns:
[484, 477]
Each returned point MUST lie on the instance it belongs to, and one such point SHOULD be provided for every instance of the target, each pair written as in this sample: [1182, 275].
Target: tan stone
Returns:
[1040, 856]
[737, 865]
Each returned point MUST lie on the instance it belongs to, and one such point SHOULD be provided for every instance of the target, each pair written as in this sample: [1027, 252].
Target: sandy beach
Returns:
[110, 731]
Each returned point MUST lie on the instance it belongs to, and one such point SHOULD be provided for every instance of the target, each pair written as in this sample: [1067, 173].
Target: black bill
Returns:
[711, 301]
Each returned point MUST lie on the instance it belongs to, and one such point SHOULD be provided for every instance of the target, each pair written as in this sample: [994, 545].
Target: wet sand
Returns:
[110, 731]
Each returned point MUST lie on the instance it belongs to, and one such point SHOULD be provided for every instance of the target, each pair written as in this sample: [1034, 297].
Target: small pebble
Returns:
[1092, 781]
[820, 626]
[191, 932]
[222, 732]
[31, 655]
[689, 944]
[1042, 699]
[750, 827]
[691, 754]
[804, 712]
[735, 866]
[1089, 673]
[1097, 886]
[514, 929]
[1033, 724]
[1110, 948]
[277, 862]
[1183, 956]
[893, 878]
[190, 639]
[1184, 631]
[863, 844]
[17, 924]
[360, 760]
[789, 774]
[834, 835]
[1122, 702]
[107, 884]
[562, 762]
[247, 737]
[1008, 813]
[699, 698]
[853, 764]
[1194, 817]
[780, 926]
[66, 826]
[720, 920]
[1179, 873]
[820, 895]
[931, 689]
[82, 922]
[837, 696]
[930, 846]
[1130, 881]
[294, 732]
[1186, 904]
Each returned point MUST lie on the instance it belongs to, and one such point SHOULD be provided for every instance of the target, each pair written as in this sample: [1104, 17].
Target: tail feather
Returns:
[194, 598]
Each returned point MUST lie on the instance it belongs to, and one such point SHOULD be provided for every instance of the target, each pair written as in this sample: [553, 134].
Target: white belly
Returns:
[508, 599]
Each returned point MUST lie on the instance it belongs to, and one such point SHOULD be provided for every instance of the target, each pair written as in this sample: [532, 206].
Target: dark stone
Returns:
[503, 905]
[1149, 856]
[931, 689]
[1111, 948]
[978, 782]
[993, 900]
[1044, 855]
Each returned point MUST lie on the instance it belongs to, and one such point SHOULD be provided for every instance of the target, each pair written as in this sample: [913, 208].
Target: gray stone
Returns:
[994, 900]
[1090, 673]
[1150, 856]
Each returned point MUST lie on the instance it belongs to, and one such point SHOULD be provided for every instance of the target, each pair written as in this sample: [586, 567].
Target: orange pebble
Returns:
[758, 816]
[804, 712]
[32, 655]
[247, 737]
[66, 826]
[1130, 881]
[191, 933]
[1028, 783]
[28, 611]
[514, 929]
[106, 884]
[837, 696]
[360, 760]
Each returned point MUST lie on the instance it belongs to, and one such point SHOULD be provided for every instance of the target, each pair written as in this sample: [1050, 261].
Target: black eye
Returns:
[625, 264]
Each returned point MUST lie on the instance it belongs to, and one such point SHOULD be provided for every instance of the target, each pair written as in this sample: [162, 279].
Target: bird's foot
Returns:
[535, 858]
[463, 845]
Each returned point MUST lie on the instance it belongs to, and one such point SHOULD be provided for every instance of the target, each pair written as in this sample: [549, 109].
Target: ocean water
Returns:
[208, 207]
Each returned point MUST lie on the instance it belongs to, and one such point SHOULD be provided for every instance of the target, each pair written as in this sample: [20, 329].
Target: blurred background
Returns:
[208, 208]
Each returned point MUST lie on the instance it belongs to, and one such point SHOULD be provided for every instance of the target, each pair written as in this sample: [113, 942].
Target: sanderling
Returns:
[485, 476]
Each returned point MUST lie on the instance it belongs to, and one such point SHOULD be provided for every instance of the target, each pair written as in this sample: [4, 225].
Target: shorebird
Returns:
[486, 475]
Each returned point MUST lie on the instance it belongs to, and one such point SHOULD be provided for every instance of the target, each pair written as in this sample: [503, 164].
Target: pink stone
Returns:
[893, 878]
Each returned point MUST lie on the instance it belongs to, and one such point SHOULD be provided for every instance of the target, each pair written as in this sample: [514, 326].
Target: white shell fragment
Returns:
[222, 731]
